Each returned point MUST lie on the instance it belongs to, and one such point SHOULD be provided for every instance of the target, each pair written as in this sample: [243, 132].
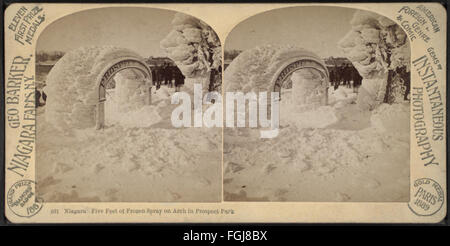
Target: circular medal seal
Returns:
[428, 197]
[22, 200]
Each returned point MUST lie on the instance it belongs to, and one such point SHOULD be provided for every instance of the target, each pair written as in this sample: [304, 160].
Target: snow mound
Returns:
[72, 89]
[122, 163]
[393, 118]
[341, 97]
[352, 165]
[340, 94]
[142, 117]
[320, 117]
[131, 92]
[304, 116]
[254, 69]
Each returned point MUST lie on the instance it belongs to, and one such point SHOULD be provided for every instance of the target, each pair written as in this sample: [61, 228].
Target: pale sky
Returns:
[139, 29]
[317, 29]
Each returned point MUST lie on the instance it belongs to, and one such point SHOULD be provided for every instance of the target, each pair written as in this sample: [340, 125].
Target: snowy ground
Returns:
[138, 157]
[339, 153]
[336, 153]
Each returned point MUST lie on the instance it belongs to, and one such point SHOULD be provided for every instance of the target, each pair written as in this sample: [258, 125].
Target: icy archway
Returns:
[127, 86]
[76, 84]
[304, 64]
[267, 68]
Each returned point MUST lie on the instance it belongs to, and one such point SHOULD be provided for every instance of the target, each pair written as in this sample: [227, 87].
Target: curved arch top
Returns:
[266, 68]
[120, 64]
[297, 63]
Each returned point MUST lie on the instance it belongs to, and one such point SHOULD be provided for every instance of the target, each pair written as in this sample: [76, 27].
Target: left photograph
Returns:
[106, 96]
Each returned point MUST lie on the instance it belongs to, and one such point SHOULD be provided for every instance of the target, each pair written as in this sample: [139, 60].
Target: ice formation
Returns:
[363, 157]
[375, 45]
[254, 69]
[195, 48]
[128, 105]
[308, 87]
[132, 91]
[72, 85]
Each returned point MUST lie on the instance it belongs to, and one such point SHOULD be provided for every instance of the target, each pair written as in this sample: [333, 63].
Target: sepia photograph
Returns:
[224, 113]
[342, 80]
[104, 83]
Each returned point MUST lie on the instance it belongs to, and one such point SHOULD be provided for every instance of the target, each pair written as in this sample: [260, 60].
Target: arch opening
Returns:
[123, 86]
[306, 84]
[75, 85]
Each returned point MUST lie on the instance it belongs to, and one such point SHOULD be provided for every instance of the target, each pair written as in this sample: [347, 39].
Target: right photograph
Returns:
[327, 107]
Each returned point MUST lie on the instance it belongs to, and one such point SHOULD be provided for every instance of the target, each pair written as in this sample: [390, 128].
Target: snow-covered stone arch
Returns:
[266, 68]
[296, 63]
[76, 84]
